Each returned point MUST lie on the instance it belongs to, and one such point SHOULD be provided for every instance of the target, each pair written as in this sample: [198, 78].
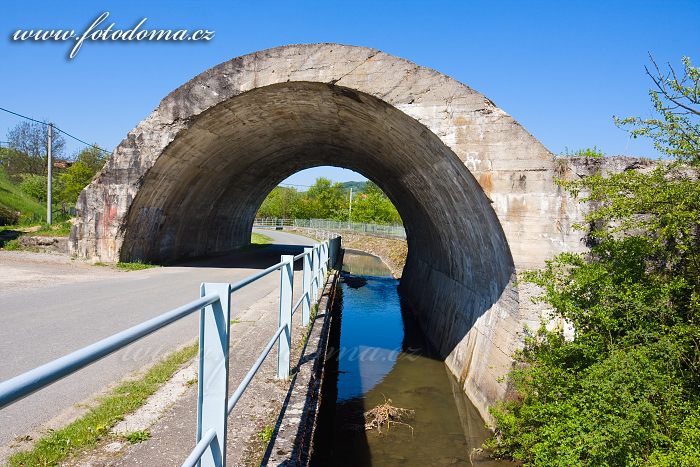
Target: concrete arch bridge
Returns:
[475, 190]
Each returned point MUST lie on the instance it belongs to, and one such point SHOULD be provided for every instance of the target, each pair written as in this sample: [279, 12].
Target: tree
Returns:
[92, 157]
[676, 131]
[326, 200]
[14, 163]
[281, 202]
[373, 206]
[626, 389]
[79, 174]
[29, 141]
[73, 180]
[329, 200]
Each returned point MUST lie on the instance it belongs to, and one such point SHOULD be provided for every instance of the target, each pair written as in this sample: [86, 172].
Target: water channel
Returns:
[382, 357]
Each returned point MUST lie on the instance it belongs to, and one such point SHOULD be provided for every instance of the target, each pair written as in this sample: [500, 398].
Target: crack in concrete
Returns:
[370, 57]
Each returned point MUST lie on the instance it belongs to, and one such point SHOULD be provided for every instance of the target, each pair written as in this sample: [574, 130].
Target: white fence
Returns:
[331, 226]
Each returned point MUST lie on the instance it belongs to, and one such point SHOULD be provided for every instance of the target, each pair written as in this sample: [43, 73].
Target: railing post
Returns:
[320, 263]
[334, 247]
[324, 259]
[306, 287]
[316, 280]
[214, 329]
[285, 316]
[331, 242]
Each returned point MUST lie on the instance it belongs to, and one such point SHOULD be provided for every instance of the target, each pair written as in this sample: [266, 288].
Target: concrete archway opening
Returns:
[189, 179]
[201, 195]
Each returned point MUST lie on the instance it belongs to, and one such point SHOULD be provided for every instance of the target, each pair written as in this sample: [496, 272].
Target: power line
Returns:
[23, 116]
[55, 128]
[80, 140]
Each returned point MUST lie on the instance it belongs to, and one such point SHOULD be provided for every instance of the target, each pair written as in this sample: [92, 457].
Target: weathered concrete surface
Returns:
[475, 190]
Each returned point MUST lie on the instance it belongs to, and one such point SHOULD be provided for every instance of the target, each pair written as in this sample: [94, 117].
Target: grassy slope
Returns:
[12, 197]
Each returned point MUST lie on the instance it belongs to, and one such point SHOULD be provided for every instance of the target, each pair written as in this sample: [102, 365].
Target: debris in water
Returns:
[385, 415]
[354, 282]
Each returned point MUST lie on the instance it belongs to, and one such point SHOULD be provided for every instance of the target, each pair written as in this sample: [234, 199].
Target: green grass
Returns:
[260, 239]
[14, 198]
[95, 426]
[138, 436]
[265, 435]
[60, 229]
[136, 266]
[12, 245]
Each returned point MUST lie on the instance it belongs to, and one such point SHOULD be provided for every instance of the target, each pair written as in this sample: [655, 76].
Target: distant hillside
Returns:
[356, 186]
[13, 198]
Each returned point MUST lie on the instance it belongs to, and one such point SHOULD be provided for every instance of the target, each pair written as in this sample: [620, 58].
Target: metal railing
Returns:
[328, 225]
[214, 304]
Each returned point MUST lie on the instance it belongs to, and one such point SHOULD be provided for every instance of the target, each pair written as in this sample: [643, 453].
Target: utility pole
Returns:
[350, 212]
[48, 176]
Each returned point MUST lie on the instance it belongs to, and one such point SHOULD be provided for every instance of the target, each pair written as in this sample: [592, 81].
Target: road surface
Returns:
[58, 317]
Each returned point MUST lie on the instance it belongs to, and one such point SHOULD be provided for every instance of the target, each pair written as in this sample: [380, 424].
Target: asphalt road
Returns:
[41, 325]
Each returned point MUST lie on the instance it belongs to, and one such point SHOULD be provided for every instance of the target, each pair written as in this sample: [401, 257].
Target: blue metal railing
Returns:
[214, 304]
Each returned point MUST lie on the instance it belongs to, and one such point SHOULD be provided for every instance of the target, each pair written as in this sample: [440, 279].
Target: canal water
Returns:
[381, 357]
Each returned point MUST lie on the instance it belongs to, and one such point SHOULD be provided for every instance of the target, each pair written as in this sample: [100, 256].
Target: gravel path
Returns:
[22, 270]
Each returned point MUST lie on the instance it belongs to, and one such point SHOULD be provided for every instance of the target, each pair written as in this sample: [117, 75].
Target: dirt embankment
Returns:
[392, 251]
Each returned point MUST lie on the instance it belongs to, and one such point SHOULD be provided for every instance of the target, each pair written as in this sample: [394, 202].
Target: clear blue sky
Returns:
[561, 68]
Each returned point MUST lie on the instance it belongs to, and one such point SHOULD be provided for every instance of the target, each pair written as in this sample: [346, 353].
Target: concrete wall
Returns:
[475, 190]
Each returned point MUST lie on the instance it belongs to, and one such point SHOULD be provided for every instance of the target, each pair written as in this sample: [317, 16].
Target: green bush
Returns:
[626, 389]
[8, 216]
[34, 186]
[594, 152]
[12, 245]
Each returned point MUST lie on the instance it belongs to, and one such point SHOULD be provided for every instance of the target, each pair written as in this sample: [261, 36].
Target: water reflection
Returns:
[382, 355]
[359, 263]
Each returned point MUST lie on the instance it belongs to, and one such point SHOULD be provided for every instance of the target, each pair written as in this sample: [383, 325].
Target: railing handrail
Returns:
[243, 385]
[31, 381]
[214, 331]
[200, 448]
[250, 279]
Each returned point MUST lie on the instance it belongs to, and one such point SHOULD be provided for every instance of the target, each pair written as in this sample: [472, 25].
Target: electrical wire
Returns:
[55, 128]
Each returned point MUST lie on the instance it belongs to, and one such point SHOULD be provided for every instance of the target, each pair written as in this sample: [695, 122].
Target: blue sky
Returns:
[562, 69]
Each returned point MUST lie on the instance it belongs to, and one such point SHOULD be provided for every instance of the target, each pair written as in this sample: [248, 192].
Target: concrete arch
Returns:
[473, 187]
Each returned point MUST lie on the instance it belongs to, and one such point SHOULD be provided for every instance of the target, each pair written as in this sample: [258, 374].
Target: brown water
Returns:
[382, 356]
